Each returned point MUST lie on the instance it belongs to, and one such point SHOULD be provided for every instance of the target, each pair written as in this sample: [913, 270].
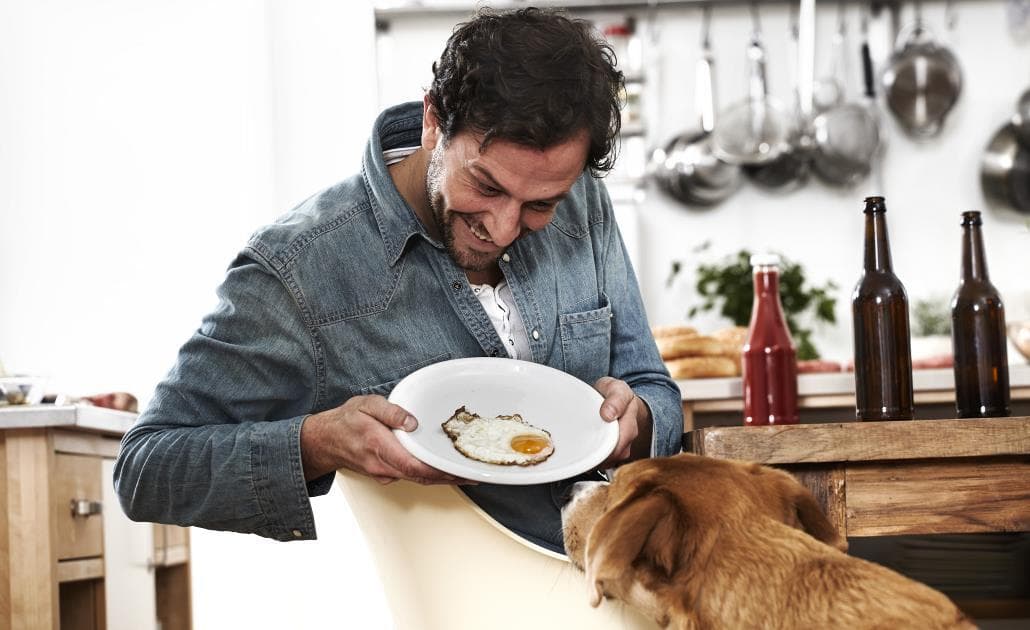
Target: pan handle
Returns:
[867, 71]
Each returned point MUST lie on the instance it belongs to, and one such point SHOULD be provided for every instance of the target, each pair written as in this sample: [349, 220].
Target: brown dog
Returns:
[696, 542]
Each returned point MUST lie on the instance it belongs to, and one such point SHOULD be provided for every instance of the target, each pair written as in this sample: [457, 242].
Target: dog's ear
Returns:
[645, 529]
[804, 512]
[812, 518]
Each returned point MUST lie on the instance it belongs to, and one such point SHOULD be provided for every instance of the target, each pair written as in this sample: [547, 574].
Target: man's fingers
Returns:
[617, 397]
[396, 457]
[393, 416]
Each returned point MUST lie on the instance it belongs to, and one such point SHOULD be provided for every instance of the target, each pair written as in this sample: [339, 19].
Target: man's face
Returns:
[483, 201]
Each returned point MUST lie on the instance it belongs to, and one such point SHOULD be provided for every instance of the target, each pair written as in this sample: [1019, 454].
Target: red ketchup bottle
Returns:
[769, 362]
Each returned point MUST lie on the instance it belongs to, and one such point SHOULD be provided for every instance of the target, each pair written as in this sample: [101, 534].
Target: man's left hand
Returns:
[634, 417]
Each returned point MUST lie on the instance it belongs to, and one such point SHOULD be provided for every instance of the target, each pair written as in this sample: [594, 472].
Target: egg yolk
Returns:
[529, 444]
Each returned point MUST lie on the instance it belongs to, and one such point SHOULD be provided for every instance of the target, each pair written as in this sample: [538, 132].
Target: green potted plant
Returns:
[931, 327]
[726, 285]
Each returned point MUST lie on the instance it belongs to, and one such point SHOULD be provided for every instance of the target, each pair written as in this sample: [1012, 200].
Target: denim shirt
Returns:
[346, 295]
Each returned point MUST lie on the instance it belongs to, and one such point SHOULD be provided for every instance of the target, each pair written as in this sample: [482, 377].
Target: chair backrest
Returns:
[447, 565]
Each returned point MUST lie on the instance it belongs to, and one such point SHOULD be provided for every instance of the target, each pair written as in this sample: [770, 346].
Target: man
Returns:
[476, 228]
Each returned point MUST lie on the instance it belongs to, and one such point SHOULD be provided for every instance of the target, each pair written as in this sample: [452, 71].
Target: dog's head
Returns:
[658, 521]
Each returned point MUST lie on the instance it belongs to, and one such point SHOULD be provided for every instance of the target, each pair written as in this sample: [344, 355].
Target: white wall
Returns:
[141, 142]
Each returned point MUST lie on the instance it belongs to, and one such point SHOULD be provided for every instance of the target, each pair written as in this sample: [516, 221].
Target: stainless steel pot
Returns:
[922, 81]
[1005, 171]
[687, 167]
[790, 169]
[847, 137]
[757, 129]
[1022, 118]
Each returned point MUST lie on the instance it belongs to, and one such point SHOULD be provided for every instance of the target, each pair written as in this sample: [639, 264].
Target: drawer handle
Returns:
[85, 507]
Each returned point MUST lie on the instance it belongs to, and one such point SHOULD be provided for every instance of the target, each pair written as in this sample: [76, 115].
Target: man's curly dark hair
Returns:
[531, 76]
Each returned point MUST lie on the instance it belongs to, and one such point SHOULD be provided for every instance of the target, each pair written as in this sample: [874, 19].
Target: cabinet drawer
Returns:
[77, 479]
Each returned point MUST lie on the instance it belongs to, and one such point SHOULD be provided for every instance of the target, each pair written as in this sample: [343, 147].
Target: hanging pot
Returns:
[1005, 171]
[922, 81]
[847, 137]
[789, 170]
[687, 167]
[757, 129]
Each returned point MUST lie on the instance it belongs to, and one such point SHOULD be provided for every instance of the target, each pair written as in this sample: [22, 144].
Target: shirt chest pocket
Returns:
[586, 342]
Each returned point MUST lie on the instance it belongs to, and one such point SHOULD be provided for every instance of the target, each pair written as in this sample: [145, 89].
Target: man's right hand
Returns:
[358, 436]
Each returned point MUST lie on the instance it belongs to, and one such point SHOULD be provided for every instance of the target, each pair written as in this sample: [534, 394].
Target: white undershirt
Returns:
[499, 305]
[498, 301]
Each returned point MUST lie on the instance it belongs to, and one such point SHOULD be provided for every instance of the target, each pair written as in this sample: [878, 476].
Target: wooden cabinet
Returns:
[69, 558]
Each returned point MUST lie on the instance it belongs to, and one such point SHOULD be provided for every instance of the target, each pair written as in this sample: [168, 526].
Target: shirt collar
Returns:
[397, 126]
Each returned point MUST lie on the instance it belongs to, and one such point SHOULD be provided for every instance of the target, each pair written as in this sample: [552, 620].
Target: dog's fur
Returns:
[697, 542]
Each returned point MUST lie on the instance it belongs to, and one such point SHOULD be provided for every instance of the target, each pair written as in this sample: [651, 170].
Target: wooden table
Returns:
[893, 478]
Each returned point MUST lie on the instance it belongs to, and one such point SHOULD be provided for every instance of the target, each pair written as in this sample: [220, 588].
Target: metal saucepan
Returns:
[687, 167]
[847, 137]
[1005, 171]
[789, 170]
[757, 129]
[828, 90]
[1022, 118]
[922, 81]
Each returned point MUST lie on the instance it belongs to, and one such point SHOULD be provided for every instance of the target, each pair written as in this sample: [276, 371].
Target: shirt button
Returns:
[536, 334]
[456, 285]
[506, 258]
[297, 533]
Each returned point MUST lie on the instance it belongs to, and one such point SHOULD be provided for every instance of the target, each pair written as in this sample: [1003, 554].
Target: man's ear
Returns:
[430, 125]
[645, 530]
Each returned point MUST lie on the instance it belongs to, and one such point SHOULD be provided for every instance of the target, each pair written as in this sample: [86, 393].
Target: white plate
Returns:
[552, 400]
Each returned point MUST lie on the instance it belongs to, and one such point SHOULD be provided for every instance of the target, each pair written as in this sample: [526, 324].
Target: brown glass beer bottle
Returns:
[978, 333]
[879, 307]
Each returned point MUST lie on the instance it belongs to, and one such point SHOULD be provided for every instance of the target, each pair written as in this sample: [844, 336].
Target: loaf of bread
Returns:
[689, 354]
[696, 346]
[675, 330]
[701, 367]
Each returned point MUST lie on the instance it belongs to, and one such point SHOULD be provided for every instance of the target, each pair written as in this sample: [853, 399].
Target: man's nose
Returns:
[506, 222]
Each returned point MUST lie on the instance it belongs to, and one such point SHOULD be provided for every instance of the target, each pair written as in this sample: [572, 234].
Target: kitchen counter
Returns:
[79, 417]
[838, 383]
[719, 400]
[69, 557]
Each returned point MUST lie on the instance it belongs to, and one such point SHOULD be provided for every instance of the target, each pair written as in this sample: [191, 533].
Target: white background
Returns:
[142, 141]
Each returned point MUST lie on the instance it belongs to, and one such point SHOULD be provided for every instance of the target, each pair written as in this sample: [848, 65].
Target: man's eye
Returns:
[488, 191]
[543, 206]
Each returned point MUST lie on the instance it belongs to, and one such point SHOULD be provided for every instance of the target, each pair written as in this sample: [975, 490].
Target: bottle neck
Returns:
[974, 263]
[767, 284]
[877, 247]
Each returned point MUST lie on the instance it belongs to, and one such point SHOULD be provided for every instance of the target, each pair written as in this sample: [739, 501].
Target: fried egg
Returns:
[504, 440]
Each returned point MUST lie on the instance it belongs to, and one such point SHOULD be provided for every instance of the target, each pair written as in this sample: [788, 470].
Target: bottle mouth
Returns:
[875, 204]
[972, 217]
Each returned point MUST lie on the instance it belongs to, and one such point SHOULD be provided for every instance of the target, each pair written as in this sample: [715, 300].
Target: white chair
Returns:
[447, 565]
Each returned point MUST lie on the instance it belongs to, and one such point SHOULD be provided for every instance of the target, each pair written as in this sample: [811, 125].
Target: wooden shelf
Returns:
[83, 569]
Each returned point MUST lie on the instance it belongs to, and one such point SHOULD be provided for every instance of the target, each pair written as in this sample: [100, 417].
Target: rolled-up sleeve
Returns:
[219, 444]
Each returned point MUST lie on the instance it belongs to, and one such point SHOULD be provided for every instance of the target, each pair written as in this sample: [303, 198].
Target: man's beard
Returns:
[469, 259]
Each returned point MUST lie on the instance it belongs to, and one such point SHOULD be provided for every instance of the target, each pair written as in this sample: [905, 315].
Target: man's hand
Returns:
[634, 418]
[357, 435]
